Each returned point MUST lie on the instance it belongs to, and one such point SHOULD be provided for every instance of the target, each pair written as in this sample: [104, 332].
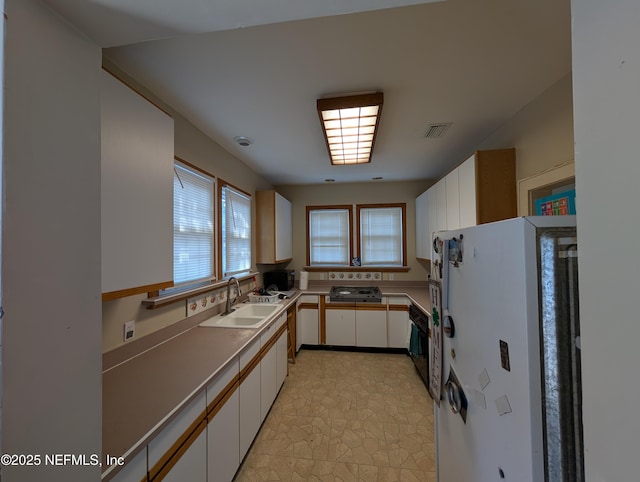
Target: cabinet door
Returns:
[223, 430]
[432, 221]
[249, 393]
[441, 205]
[371, 325]
[223, 441]
[284, 239]
[192, 466]
[341, 326]
[135, 469]
[137, 191]
[467, 187]
[307, 321]
[174, 431]
[268, 381]
[422, 226]
[453, 200]
[282, 361]
[398, 322]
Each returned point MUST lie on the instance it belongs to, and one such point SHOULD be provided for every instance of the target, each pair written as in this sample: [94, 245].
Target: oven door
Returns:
[419, 351]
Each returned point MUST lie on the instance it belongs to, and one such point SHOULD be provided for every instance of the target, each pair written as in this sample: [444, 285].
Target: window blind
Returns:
[381, 236]
[193, 233]
[329, 237]
[236, 232]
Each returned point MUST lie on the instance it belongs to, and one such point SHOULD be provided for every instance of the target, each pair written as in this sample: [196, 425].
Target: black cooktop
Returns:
[360, 294]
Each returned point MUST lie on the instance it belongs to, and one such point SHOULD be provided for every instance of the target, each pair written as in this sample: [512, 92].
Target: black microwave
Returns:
[282, 278]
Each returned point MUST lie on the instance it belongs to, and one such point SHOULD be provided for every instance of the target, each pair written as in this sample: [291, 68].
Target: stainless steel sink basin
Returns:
[250, 315]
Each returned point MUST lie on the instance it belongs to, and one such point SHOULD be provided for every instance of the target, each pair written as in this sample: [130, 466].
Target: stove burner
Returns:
[359, 294]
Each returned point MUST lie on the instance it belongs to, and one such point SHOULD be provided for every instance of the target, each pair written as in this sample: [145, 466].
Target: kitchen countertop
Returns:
[141, 395]
[417, 292]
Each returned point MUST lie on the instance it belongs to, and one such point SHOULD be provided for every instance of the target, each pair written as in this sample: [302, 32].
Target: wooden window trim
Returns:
[348, 207]
[403, 206]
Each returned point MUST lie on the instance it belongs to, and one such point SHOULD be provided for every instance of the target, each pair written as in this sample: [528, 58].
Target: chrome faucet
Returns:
[229, 304]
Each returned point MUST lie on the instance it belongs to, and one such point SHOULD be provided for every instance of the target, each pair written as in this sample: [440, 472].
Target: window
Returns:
[235, 218]
[193, 233]
[381, 234]
[329, 235]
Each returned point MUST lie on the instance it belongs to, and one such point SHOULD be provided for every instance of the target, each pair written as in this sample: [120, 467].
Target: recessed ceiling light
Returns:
[329, 180]
[243, 140]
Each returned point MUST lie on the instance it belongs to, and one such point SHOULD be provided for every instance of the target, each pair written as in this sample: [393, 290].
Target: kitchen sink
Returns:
[250, 315]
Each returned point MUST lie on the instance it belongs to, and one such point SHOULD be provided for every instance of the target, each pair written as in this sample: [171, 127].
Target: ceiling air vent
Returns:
[437, 130]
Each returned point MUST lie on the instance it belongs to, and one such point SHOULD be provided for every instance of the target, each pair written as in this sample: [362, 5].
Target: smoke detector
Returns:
[243, 141]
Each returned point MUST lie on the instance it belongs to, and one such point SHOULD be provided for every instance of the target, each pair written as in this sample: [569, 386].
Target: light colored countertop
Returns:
[141, 395]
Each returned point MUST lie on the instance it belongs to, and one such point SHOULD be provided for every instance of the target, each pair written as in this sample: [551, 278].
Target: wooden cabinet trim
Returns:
[307, 306]
[399, 308]
[177, 450]
[113, 295]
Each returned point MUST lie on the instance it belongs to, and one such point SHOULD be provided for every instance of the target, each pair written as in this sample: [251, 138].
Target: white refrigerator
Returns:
[511, 397]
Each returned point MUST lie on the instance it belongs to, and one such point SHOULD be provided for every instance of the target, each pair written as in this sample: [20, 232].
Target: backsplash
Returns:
[208, 300]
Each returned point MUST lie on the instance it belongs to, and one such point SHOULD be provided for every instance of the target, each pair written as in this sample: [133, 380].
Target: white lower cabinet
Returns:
[398, 322]
[340, 326]
[163, 443]
[223, 442]
[250, 419]
[223, 430]
[307, 321]
[192, 465]
[268, 381]
[371, 325]
[272, 364]
[134, 470]
[282, 361]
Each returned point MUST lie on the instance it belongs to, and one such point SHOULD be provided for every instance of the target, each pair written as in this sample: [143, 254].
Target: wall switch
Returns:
[129, 330]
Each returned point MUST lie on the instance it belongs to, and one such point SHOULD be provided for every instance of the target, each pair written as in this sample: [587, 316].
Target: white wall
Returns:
[51, 359]
[606, 85]
[541, 132]
[355, 193]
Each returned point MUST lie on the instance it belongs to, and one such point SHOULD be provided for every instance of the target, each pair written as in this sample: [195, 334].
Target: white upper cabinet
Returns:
[467, 188]
[422, 227]
[137, 192]
[480, 190]
[273, 222]
[453, 200]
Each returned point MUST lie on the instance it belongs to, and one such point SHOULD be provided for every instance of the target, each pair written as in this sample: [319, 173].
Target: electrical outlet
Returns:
[129, 330]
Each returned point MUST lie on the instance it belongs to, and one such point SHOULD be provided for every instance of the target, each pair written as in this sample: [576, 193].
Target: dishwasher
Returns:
[419, 342]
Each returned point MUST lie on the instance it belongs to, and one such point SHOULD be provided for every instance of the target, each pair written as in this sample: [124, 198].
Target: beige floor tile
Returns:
[345, 416]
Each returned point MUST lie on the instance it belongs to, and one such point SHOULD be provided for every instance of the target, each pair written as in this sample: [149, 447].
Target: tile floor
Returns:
[345, 416]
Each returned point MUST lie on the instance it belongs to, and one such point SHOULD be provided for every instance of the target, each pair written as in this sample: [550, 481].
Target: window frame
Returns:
[347, 207]
[190, 284]
[403, 246]
[220, 214]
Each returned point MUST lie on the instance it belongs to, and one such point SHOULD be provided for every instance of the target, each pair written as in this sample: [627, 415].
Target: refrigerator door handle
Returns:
[453, 394]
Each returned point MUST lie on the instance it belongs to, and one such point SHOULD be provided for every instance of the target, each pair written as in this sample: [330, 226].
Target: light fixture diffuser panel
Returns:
[349, 124]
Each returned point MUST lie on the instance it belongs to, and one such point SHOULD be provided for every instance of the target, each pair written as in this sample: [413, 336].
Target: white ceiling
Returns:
[255, 68]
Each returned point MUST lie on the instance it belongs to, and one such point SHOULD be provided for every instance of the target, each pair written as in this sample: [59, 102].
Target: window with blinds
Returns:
[382, 235]
[193, 221]
[329, 236]
[235, 232]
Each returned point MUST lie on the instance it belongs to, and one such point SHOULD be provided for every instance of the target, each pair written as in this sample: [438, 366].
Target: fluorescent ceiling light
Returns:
[349, 124]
